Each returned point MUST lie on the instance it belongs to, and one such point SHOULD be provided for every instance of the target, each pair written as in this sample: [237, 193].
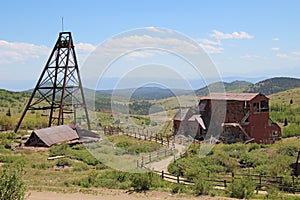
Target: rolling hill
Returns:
[273, 85]
[236, 86]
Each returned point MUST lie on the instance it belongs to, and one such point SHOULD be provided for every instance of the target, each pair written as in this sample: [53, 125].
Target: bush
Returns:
[287, 150]
[141, 182]
[242, 188]
[59, 150]
[12, 186]
[202, 187]
[177, 188]
[63, 162]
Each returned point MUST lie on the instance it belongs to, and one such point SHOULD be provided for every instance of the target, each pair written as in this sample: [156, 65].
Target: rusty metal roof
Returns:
[230, 96]
[56, 134]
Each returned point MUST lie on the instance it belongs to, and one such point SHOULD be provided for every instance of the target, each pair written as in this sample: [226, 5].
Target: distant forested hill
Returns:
[274, 85]
[236, 86]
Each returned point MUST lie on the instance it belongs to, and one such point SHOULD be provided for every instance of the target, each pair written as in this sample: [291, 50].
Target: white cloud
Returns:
[211, 49]
[20, 52]
[275, 49]
[297, 53]
[250, 57]
[158, 30]
[85, 47]
[211, 46]
[235, 35]
[276, 39]
[209, 42]
[282, 55]
[118, 46]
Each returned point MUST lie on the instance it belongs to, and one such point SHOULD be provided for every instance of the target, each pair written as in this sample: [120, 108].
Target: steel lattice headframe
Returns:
[59, 88]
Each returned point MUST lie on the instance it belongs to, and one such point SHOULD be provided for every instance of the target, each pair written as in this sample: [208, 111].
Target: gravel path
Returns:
[162, 165]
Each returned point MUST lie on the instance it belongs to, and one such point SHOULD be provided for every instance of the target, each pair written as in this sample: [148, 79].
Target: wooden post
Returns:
[142, 161]
[293, 178]
[260, 181]
[178, 179]
[162, 175]
[150, 156]
[225, 185]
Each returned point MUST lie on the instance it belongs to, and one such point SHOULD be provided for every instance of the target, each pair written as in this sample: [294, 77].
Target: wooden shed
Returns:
[47, 137]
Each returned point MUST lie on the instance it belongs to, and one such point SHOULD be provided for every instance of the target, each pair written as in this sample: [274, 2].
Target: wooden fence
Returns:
[154, 156]
[222, 181]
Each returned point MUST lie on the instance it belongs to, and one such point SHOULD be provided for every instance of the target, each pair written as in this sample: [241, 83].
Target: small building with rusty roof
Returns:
[47, 137]
[246, 117]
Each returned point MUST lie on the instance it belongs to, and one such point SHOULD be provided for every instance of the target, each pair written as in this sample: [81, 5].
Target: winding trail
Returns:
[162, 165]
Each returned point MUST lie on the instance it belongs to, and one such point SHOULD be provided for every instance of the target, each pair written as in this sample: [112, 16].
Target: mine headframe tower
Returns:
[59, 90]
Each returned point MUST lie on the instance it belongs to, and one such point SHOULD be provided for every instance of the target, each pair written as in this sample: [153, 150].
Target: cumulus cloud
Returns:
[275, 49]
[276, 39]
[20, 52]
[85, 47]
[235, 35]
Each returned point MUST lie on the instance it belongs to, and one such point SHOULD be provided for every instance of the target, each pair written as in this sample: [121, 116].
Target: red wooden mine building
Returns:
[237, 117]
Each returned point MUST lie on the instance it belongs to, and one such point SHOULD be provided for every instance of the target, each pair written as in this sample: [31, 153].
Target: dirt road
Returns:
[107, 194]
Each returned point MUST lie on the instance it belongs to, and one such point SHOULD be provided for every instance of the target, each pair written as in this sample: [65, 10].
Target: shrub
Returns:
[141, 182]
[12, 186]
[63, 162]
[177, 188]
[242, 188]
[202, 187]
[287, 150]
[59, 150]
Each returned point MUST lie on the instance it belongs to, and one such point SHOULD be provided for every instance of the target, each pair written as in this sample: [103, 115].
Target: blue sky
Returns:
[249, 39]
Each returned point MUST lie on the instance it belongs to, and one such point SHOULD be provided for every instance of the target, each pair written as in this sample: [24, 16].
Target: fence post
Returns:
[259, 180]
[142, 161]
[293, 178]
[150, 156]
[177, 178]
[134, 134]
[225, 185]
[162, 175]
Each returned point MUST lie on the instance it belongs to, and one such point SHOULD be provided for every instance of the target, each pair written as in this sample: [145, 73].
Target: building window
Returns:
[264, 107]
[261, 107]
[256, 107]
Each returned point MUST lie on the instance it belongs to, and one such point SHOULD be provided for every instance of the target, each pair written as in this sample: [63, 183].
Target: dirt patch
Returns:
[107, 194]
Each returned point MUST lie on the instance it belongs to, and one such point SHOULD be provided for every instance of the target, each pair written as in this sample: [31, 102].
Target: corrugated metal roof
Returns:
[56, 134]
[230, 96]
[181, 114]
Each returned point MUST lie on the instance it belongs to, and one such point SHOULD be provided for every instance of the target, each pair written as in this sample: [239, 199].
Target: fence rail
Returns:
[261, 181]
[154, 156]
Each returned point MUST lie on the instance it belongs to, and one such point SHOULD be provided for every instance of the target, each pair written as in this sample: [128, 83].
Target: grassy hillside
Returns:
[221, 86]
[274, 85]
[286, 106]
